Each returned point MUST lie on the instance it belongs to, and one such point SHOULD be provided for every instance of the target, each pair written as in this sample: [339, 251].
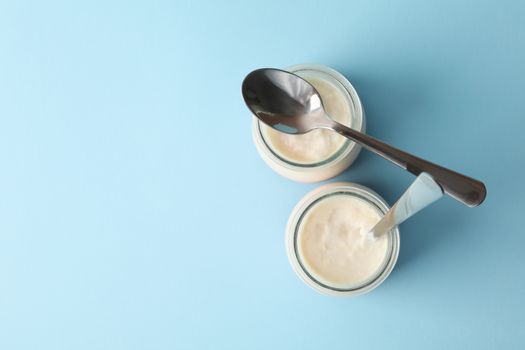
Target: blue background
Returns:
[135, 212]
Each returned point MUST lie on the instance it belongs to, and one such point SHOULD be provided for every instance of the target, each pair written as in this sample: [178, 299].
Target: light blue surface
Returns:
[135, 212]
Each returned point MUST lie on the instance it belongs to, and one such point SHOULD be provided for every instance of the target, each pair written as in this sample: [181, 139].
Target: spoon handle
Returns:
[421, 193]
[460, 187]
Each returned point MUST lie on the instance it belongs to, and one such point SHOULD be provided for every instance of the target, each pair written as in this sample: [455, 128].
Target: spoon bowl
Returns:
[284, 101]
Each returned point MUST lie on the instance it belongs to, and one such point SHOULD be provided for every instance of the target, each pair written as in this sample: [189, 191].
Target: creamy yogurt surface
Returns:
[332, 243]
[317, 145]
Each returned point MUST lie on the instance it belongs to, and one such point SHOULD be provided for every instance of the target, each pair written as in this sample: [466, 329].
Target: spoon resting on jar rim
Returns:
[290, 104]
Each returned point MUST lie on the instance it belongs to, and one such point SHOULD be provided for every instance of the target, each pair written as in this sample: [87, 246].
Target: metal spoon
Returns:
[421, 193]
[290, 104]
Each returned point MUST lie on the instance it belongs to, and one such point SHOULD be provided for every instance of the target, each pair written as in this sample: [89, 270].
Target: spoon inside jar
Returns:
[290, 104]
[421, 193]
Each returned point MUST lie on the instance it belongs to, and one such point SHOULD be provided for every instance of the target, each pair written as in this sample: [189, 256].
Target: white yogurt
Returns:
[318, 145]
[327, 244]
[333, 245]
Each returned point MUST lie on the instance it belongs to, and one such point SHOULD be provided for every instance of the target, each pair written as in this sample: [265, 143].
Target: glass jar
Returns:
[306, 204]
[340, 98]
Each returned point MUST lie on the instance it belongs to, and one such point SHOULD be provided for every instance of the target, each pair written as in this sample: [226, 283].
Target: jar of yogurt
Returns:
[327, 242]
[319, 154]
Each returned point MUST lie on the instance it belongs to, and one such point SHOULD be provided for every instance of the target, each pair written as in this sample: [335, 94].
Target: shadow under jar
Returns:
[319, 154]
